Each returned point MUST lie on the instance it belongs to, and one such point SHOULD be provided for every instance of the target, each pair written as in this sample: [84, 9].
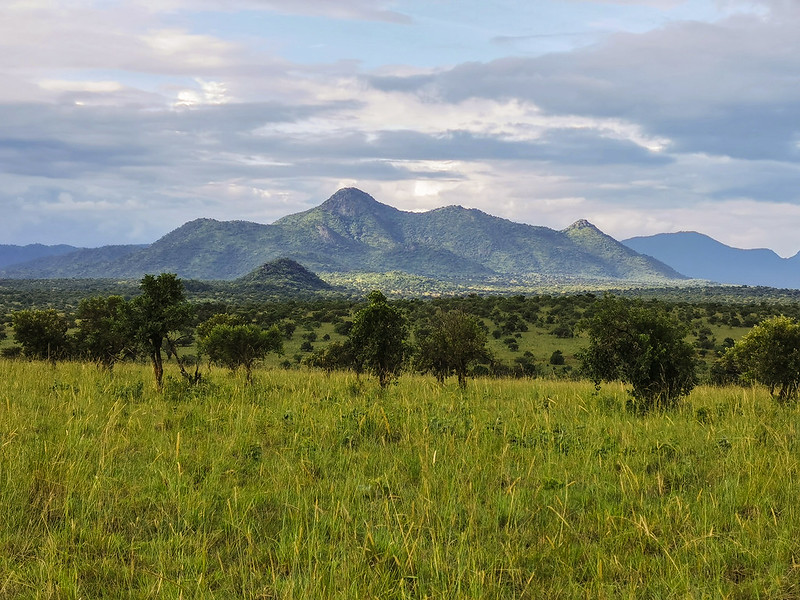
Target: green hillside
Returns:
[351, 232]
[282, 275]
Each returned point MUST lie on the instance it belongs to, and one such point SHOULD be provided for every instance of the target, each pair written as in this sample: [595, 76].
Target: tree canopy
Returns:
[236, 345]
[160, 310]
[450, 345]
[770, 354]
[42, 333]
[101, 334]
[378, 338]
[639, 344]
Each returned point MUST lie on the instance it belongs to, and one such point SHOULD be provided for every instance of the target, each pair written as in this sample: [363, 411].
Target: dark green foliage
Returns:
[557, 358]
[562, 331]
[282, 275]
[725, 371]
[451, 345]
[524, 366]
[378, 336]
[639, 344]
[42, 333]
[336, 356]
[234, 345]
[159, 311]
[343, 328]
[101, 334]
[770, 354]
[288, 328]
[203, 330]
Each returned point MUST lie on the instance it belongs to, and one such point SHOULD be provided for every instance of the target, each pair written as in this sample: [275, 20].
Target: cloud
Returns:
[121, 121]
[366, 10]
[723, 88]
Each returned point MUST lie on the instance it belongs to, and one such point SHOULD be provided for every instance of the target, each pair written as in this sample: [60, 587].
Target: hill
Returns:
[700, 256]
[282, 275]
[351, 232]
[11, 254]
[78, 263]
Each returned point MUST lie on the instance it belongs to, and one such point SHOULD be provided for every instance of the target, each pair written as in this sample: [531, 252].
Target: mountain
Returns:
[79, 262]
[702, 257]
[12, 255]
[352, 232]
[625, 262]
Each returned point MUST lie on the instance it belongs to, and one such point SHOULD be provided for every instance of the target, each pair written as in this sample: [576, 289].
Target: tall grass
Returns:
[303, 485]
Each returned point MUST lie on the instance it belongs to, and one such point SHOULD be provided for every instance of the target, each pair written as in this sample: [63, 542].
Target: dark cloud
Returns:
[728, 88]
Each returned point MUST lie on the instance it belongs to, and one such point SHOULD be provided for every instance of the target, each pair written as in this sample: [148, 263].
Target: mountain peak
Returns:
[581, 224]
[350, 201]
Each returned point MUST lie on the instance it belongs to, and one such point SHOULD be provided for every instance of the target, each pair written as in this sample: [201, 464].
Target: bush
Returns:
[639, 344]
[770, 354]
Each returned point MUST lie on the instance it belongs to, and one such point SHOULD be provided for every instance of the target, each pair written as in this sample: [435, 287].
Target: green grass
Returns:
[307, 486]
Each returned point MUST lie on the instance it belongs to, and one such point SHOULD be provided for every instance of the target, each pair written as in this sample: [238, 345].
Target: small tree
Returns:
[770, 354]
[41, 333]
[335, 356]
[454, 343]
[378, 338]
[101, 331]
[237, 346]
[202, 330]
[151, 317]
[642, 346]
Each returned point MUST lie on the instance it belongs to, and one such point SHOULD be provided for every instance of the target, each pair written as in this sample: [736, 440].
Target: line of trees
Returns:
[639, 343]
[109, 329]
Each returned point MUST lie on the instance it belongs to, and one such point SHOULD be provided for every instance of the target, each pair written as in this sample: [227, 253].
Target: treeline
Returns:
[661, 349]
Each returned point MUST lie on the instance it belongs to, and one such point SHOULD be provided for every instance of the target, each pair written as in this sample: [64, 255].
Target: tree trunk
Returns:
[462, 380]
[174, 351]
[158, 368]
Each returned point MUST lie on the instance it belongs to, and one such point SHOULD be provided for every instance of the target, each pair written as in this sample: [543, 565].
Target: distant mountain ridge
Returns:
[352, 232]
[11, 254]
[76, 263]
[702, 257]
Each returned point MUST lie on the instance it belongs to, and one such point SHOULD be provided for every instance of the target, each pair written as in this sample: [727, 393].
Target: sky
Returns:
[120, 120]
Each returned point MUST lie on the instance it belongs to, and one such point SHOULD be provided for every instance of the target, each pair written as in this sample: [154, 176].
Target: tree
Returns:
[640, 345]
[151, 317]
[770, 354]
[453, 343]
[204, 329]
[378, 337]
[335, 356]
[41, 333]
[236, 345]
[101, 331]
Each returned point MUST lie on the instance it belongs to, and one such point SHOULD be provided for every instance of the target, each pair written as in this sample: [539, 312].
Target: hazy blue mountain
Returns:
[352, 232]
[80, 262]
[702, 257]
[12, 255]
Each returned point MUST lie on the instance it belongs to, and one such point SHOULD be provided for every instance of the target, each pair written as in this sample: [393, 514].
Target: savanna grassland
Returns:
[303, 485]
